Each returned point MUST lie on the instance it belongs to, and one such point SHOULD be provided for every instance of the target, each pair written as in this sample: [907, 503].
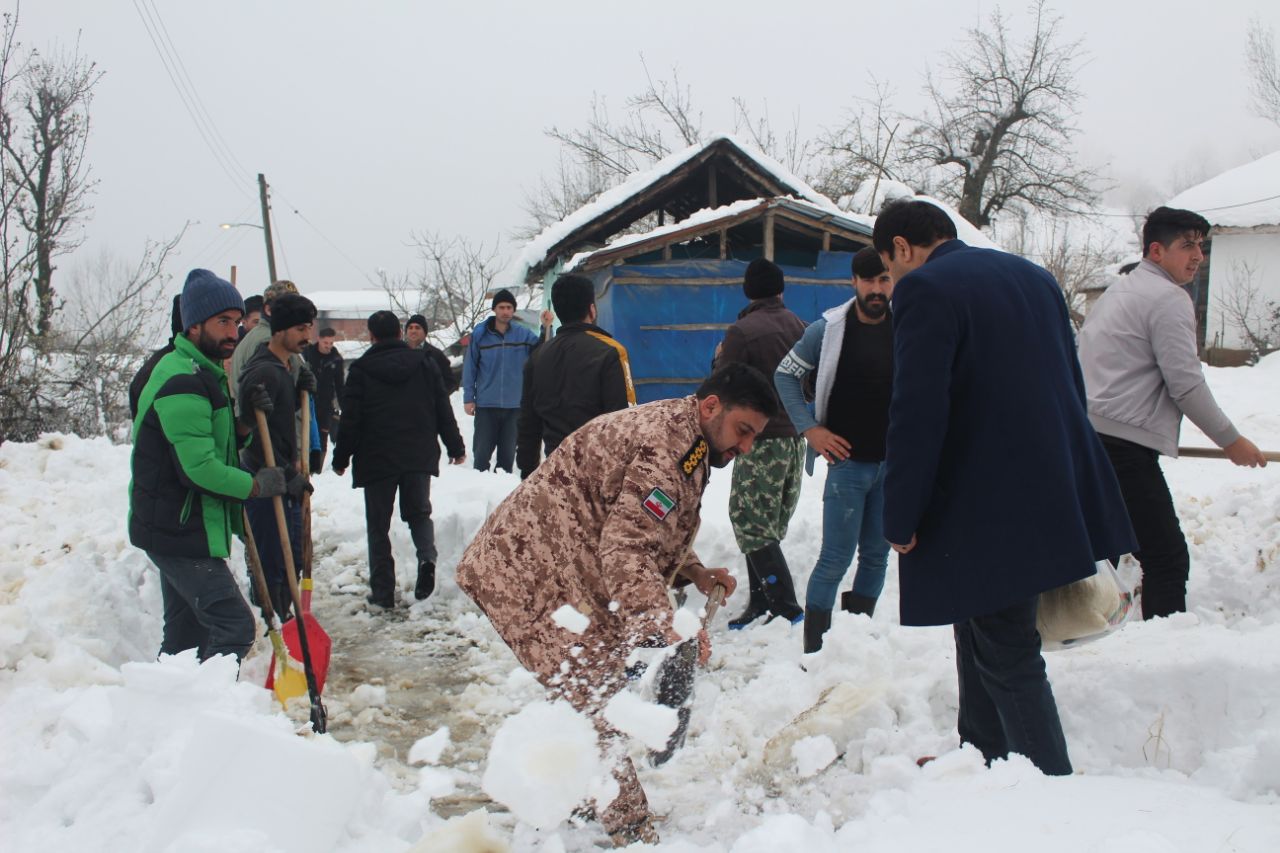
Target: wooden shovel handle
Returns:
[1219, 453]
[713, 602]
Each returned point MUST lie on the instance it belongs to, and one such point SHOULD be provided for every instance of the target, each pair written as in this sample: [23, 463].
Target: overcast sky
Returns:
[373, 120]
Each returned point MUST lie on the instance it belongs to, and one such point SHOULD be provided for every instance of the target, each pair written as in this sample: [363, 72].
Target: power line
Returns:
[213, 149]
[325, 237]
[195, 93]
[1198, 210]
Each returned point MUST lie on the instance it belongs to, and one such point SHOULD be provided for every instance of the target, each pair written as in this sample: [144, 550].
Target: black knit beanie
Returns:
[506, 296]
[763, 279]
[291, 310]
[419, 320]
[204, 295]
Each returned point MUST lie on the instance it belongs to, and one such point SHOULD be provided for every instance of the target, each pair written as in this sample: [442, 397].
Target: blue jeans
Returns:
[495, 428]
[852, 518]
[1006, 703]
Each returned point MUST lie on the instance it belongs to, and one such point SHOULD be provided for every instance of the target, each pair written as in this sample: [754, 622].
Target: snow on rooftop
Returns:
[536, 249]
[1242, 197]
[358, 302]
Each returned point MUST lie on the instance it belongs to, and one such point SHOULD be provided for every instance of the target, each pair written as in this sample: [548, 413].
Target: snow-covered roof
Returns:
[1243, 197]
[358, 302]
[536, 249]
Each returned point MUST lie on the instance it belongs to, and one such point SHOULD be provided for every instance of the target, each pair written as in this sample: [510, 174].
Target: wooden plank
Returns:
[686, 327]
[711, 185]
[768, 235]
[724, 243]
[826, 241]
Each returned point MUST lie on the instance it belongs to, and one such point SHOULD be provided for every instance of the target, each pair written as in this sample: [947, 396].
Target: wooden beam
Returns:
[826, 241]
[666, 252]
[711, 185]
[724, 243]
[768, 235]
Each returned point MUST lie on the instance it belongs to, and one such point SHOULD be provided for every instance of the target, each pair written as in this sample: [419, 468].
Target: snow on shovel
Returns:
[290, 681]
[319, 716]
[675, 682]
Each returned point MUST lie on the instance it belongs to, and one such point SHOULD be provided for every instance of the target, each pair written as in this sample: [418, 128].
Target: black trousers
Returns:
[415, 510]
[1162, 547]
[203, 608]
[1006, 704]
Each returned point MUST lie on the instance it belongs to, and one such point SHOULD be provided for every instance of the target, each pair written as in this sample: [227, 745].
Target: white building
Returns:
[1243, 206]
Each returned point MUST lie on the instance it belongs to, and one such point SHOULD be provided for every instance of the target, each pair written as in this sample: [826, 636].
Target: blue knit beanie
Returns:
[205, 295]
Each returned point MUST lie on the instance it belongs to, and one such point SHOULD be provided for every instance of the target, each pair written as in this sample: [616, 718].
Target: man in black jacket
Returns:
[415, 335]
[581, 373]
[327, 364]
[267, 384]
[394, 408]
[766, 481]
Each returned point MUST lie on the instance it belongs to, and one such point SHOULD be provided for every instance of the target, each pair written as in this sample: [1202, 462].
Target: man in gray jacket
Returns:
[1142, 374]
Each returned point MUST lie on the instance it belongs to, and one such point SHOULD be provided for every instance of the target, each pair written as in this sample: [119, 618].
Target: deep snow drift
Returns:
[1173, 727]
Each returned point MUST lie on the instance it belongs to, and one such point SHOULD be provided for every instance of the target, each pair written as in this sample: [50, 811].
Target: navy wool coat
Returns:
[991, 461]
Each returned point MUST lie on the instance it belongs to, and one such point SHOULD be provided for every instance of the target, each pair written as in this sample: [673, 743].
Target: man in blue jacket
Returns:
[996, 486]
[492, 377]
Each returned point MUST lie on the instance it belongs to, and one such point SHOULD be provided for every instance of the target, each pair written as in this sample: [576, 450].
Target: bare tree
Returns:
[1076, 258]
[864, 148]
[1248, 311]
[1264, 73]
[998, 129]
[450, 288]
[44, 130]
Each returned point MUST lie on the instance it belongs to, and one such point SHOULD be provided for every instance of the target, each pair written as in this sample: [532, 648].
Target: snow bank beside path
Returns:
[1173, 726]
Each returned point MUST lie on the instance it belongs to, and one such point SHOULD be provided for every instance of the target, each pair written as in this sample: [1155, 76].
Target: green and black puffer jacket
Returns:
[187, 486]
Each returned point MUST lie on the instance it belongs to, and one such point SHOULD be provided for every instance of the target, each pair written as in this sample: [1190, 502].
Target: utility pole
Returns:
[266, 228]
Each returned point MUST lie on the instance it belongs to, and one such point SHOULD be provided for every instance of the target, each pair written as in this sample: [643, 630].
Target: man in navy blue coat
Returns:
[996, 486]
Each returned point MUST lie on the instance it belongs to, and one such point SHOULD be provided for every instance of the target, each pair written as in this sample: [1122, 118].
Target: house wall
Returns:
[1259, 251]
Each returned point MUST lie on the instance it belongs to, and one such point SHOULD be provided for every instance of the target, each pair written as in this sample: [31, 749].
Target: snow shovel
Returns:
[290, 681]
[675, 683]
[1219, 453]
[319, 716]
[319, 641]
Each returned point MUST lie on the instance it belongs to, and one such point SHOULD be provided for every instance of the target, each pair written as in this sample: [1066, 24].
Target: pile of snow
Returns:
[1173, 726]
[1242, 197]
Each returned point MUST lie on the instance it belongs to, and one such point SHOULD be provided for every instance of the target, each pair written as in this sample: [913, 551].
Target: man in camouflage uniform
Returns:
[604, 525]
[766, 485]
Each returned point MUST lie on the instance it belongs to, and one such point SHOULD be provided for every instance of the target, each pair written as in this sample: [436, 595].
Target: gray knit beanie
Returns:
[205, 295]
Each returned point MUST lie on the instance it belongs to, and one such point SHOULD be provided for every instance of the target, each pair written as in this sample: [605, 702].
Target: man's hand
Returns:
[903, 549]
[705, 580]
[268, 483]
[827, 444]
[258, 398]
[339, 471]
[547, 318]
[457, 460]
[306, 381]
[1245, 453]
[296, 486]
[469, 408]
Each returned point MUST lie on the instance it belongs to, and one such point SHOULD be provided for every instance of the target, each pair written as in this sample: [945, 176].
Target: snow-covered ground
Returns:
[1173, 727]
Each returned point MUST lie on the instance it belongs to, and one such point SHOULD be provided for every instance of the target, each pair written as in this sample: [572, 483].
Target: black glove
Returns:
[296, 486]
[268, 482]
[306, 381]
[256, 397]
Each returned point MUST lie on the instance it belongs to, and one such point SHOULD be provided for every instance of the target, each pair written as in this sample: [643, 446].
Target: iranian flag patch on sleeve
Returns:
[659, 504]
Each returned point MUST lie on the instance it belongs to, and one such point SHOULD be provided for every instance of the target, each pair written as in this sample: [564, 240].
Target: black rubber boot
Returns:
[851, 602]
[779, 590]
[757, 605]
[816, 623]
[426, 580]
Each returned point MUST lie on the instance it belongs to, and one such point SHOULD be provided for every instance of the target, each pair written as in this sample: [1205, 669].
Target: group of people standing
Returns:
[947, 398]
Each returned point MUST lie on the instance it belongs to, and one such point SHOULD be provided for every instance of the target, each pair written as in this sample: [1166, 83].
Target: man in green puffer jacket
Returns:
[187, 486]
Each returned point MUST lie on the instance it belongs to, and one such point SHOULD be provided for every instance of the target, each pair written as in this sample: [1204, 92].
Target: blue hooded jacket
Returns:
[493, 372]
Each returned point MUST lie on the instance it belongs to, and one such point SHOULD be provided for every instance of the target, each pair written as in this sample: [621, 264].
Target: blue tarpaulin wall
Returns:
[671, 314]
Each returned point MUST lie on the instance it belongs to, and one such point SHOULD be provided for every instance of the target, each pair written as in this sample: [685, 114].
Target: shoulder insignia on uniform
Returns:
[691, 460]
[659, 504]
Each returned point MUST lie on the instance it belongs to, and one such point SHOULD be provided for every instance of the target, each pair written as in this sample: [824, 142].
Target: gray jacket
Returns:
[1142, 372]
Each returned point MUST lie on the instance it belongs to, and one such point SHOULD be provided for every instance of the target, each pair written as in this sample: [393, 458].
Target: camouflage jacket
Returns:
[601, 525]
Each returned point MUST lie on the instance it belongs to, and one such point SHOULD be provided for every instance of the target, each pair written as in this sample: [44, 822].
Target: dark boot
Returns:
[771, 565]
[851, 602]
[757, 605]
[426, 580]
[816, 623]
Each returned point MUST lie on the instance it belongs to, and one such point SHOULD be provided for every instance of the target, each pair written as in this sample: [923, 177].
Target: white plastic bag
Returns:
[1084, 611]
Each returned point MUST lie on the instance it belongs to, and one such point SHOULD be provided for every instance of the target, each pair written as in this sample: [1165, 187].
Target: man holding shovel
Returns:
[603, 525]
[185, 494]
[1142, 374]
[267, 385]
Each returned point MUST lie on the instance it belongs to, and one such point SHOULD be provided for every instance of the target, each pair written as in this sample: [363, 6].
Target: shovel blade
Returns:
[291, 681]
[318, 643]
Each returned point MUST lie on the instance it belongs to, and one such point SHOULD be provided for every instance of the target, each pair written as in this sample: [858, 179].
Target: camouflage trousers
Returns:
[586, 670]
[765, 490]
